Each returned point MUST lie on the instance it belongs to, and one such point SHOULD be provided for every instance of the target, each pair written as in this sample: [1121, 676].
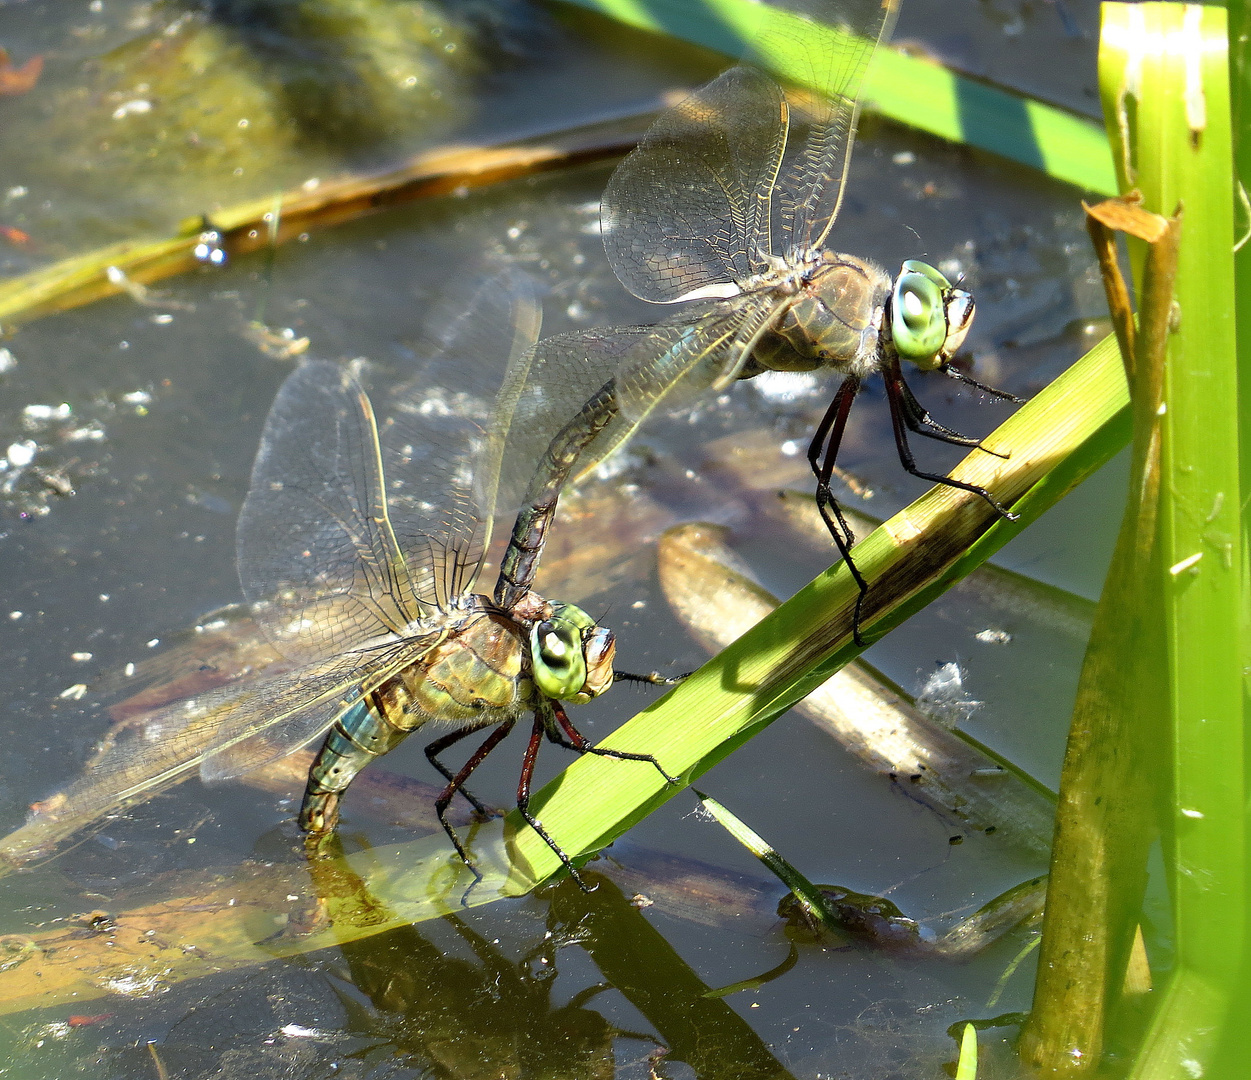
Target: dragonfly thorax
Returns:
[832, 320]
[468, 675]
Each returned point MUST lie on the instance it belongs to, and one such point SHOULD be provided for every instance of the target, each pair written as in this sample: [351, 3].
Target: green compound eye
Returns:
[919, 315]
[557, 658]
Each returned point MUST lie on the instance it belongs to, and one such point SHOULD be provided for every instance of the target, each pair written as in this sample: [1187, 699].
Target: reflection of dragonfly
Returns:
[717, 207]
[358, 547]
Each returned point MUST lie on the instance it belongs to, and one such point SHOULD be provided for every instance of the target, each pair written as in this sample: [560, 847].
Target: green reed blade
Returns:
[905, 89]
[1184, 153]
[966, 1067]
[810, 898]
[1160, 752]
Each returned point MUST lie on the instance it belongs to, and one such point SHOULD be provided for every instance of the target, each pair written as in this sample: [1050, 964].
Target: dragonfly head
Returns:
[929, 317]
[571, 655]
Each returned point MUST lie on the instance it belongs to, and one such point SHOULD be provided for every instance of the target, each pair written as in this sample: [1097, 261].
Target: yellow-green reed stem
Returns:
[1236, 1049]
[1103, 821]
[1203, 585]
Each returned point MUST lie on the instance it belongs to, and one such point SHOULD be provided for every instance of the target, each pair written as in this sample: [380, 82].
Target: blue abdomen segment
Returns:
[361, 734]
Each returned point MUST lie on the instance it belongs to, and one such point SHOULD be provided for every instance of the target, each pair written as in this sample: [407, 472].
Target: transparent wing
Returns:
[287, 729]
[563, 373]
[352, 529]
[444, 434]
[687, 213]
[318, 560]
[146, 755]
[826, 51]
[685, 357]
[667, 366]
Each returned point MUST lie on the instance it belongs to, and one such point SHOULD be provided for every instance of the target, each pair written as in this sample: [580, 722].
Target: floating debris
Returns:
[134, 984]
[943, 698]
[280, 344]
[30, 472]
[141, 294]
[18, 80]
[19, 455]
[991, 636]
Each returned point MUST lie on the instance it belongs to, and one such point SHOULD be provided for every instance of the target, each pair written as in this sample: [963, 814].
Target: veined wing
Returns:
[667, 366]
[353, 529]
[686, 357]
[142, 757]
[287, 729]
[687, 213]
[563, 373]
[445, 429]
[828, 56]
[318, 560]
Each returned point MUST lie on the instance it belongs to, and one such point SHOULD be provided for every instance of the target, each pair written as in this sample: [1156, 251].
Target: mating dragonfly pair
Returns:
[360, 541]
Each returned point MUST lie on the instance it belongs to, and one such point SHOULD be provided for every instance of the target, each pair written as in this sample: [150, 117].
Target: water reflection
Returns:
[495, 1016]
[145, 546]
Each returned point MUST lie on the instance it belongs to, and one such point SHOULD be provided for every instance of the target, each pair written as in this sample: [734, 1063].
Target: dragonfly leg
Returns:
[445, 796]
[960, 376]
[654, 678]
[573, 739]
[919, 422]
[895, 396]
[822, 454]
[523, 800]
[438, 746]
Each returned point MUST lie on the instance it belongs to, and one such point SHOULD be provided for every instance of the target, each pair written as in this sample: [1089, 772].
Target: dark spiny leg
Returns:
[919, 421]
[835, 417]
[445, 797]
[652, 677]
[575, 740]
[439, 745]
[894, 395]
[822, 453]
[960, 376]
[523, 801]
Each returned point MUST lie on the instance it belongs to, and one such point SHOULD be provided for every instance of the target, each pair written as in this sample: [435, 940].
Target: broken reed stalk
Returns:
[270, 221]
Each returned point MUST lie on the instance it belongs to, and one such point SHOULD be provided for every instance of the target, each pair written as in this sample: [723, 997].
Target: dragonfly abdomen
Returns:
[364, 732]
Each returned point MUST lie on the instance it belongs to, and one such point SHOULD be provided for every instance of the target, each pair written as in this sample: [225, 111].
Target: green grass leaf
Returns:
[902, 88]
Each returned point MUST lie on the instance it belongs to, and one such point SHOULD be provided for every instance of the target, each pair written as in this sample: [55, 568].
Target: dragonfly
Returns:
[724, 210]
[359, 544]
